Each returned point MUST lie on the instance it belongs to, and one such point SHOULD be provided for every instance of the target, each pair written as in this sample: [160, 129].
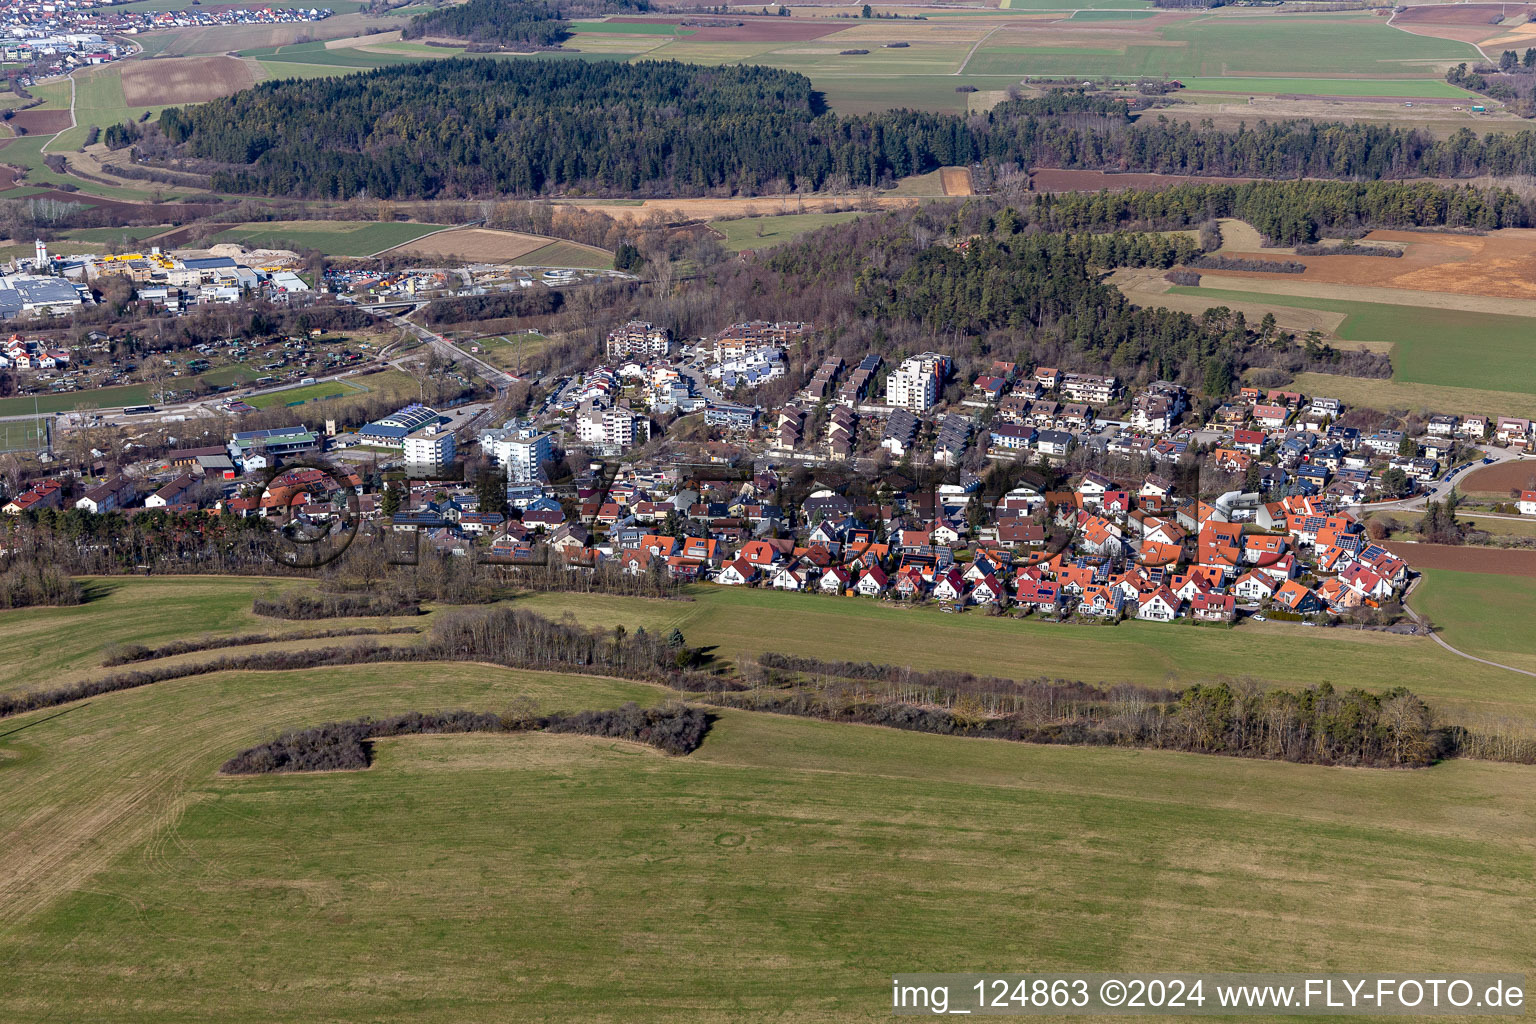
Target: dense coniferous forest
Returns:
[467, 127]
[494, 22]
[516, 24]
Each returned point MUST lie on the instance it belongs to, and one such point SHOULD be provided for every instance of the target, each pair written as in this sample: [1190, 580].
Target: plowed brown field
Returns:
[481, 244]
[184, 80]
[1500, 264]
[41, 122]
[1501, 479]
[1049, 179]
[1502, 561]
[753, 30]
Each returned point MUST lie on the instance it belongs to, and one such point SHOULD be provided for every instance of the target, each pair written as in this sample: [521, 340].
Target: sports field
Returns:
[1444, 347]
[334, 238]
[303, 395]
[788, 866]
[95, 398]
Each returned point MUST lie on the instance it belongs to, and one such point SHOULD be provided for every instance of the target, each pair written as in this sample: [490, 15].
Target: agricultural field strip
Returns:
[1431, 345]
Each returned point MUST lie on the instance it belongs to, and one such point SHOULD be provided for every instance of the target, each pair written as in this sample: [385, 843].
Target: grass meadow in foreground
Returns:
[785, 869]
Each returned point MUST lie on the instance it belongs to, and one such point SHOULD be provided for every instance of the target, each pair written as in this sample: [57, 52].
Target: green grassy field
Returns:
[1405, 88]
[765, 232]
[935, 93]
[1223, 45]
[120, 235]
[787, 868]
[43, 646]
[304, 395]
[509, 354]
[566, 254]
[1482, 614]
[21, 435]
[1373, 393]
[748, 622]
[1442, 347]
[334, 238]
[1110, 14]
[28, 153]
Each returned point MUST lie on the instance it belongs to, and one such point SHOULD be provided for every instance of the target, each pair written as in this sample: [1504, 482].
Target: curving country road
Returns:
[1437, 490]
[1424, 624]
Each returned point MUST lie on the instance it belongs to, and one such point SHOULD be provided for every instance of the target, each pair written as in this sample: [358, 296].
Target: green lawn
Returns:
[784, 871]
[21, 435]
[765, 232]
[1445, 347]
[334, 238]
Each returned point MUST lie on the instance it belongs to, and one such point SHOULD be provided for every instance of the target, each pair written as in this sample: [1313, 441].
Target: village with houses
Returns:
[1041, 491]
[44, 40]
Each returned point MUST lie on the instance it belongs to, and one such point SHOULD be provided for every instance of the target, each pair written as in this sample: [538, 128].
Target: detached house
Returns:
[873, 582]
[1159, 606]
[739, 573]
[1294, 597]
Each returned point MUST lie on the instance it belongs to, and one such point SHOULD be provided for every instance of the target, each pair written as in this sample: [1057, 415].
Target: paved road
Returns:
[700, 385]
[1437, 490]
[498, 378]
